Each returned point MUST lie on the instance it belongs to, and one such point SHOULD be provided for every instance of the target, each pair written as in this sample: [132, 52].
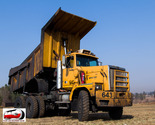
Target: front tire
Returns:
[83, 106]
[116, 113]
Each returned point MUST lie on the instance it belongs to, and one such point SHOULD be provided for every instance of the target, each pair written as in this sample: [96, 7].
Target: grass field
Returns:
[138, 114]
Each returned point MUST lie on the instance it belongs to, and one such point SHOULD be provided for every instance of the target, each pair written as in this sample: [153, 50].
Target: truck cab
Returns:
[74, 67]
[107, 86]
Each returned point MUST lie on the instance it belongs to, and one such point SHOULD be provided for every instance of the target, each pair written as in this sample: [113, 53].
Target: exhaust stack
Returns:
[59, 75]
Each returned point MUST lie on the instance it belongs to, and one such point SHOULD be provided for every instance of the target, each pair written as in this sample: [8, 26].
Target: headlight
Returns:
[98, 86]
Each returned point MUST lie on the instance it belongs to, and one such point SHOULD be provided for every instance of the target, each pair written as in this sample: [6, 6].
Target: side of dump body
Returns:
[62, 28]
[23, 73]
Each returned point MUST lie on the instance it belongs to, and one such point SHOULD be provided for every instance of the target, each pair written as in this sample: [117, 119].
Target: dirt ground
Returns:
[138, 114]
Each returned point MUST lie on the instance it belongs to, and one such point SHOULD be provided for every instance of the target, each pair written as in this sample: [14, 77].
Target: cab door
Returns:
[68, 73]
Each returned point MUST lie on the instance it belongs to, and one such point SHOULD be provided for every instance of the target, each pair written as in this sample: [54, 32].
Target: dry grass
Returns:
[139, 114]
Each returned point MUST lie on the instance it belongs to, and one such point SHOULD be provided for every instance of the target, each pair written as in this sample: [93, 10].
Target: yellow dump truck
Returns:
[59, 76]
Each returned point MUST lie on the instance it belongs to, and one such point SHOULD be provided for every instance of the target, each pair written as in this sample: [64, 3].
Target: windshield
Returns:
[86, 61]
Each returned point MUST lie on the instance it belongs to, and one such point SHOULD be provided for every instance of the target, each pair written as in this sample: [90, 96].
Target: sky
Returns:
[123, 36]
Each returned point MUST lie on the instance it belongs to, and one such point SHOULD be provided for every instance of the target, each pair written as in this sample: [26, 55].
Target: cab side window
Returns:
[70, 62]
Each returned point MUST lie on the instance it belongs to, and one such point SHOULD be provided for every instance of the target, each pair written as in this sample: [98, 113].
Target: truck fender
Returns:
[76, 90]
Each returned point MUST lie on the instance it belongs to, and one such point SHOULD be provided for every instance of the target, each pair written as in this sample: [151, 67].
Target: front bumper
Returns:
[113, 99]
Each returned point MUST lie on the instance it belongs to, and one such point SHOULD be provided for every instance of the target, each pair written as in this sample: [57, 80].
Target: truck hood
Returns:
[97, 74]
[100, 74]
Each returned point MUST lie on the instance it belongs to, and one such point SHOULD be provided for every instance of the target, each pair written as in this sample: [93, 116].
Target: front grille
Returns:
[119, 79]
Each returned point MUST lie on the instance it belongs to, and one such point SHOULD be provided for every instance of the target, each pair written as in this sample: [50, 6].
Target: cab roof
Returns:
[84, 54]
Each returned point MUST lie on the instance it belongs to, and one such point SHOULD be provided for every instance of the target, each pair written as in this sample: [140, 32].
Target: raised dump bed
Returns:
[62, 28]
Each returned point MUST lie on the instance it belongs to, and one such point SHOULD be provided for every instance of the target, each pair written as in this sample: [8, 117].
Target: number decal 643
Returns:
[107, 94]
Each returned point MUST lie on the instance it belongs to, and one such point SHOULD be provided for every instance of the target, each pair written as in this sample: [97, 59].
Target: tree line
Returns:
[143, 95]
[6, 95]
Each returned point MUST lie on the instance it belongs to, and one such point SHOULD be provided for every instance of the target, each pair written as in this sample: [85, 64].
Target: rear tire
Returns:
[20, 102]
[41, 106]
[83, 106]
[116, 113]
[31, 107]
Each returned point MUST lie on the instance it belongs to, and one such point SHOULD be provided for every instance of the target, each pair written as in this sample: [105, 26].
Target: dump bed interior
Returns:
[62, 28]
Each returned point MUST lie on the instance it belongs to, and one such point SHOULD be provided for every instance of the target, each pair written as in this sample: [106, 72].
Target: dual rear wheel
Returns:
[35, 106]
